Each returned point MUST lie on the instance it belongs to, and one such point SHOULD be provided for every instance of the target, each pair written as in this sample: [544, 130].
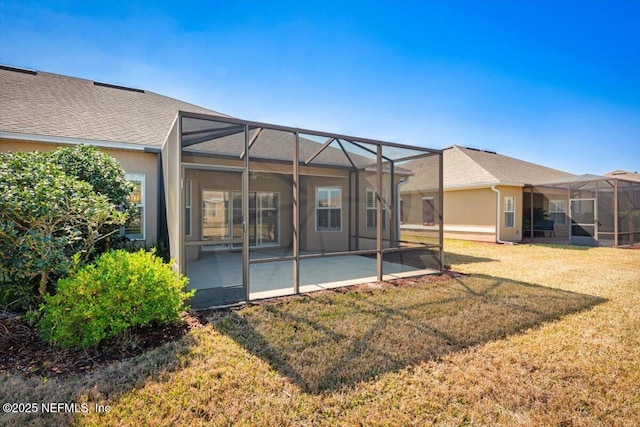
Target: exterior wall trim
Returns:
[75, 141]
[451, 228]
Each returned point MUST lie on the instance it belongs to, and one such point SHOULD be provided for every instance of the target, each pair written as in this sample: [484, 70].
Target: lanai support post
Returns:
[441, 215]
[379, 214]
[245, 216]
[296, 214]
[615, 213]
[531, 214]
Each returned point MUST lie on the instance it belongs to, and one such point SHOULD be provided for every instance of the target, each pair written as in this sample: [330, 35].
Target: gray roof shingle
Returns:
[471, 167]
[54, 105]
[61, 106]
[622, 174]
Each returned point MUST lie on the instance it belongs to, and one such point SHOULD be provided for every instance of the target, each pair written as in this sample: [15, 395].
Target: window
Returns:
[428, 211]
[558, 211]
[372, 208]
[187, 207]
[135, 227]
[329, 209]
[215, 214]
[510, 211]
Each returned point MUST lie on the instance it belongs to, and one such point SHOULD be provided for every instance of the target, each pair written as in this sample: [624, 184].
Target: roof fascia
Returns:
[481, 185]
[582, 181]
[77, 141]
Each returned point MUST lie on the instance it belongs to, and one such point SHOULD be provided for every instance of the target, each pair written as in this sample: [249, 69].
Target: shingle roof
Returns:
[61, 106]
[622, 174]
[53, 105]
[471, 167]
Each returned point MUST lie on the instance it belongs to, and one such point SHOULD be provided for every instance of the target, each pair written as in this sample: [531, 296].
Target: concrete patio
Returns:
[217, 276]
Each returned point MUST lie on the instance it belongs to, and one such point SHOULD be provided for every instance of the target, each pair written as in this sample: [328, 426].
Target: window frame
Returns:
[433, 210]
[374, 208]
[511, 211]
[329, 189]
[562, 212]
[138, 177]
[188, 207]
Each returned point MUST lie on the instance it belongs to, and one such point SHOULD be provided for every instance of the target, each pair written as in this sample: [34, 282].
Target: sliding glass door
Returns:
[222, 217]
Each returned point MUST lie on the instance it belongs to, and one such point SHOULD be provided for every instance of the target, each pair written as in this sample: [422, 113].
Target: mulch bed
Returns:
[22, 349]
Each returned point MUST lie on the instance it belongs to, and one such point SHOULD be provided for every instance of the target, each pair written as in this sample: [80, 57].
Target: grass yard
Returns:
[530, 335]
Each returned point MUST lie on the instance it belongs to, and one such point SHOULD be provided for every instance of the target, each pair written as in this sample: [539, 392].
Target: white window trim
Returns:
[375, 208]
[368, 208]
[510, 211]
[139, 177]
[259, 194]
[316, 208]
[189, 190]
[562, 211]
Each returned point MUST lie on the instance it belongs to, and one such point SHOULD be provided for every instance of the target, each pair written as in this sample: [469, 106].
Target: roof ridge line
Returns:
[477, 164]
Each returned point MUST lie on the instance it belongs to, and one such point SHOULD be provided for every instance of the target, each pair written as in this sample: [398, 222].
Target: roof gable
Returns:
[468, 167]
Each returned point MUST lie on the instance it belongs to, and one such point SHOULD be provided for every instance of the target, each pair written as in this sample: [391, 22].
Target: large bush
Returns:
[87, 163]
[103, 172]
[46, 216]
[121, 290]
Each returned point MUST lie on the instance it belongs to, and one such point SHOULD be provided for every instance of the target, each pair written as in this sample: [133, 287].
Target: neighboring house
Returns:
[241, 218]
[483, 194]
[489, 197]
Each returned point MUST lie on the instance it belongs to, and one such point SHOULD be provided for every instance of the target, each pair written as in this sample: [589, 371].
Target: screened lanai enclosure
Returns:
[256, 210]
[588, 210]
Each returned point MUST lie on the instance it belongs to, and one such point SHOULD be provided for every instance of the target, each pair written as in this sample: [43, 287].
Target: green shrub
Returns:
[89, 164]
[105, 175]
[119, 291]
[46, 216]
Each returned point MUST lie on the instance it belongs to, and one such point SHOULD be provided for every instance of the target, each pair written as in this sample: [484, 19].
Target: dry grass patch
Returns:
[535, 335]
[326, 341]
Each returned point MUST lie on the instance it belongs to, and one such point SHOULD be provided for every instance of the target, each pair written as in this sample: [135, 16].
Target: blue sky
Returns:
[556, 83]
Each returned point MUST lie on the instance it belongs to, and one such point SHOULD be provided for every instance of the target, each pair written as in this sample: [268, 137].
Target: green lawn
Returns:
[533, 335]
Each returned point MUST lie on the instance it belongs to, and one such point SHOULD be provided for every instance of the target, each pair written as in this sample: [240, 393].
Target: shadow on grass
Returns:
[331, 340]
[455, 258]
[557, 245]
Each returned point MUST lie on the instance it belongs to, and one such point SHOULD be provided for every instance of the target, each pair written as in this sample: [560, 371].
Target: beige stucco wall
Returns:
[131, 161]
[469, 214]
[325, 241]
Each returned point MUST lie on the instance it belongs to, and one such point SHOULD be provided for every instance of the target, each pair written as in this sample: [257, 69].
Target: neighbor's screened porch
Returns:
[256, 210]
[589, 210]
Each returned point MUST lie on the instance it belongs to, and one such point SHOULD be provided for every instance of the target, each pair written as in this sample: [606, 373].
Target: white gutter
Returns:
[493, 188]
[75, 141]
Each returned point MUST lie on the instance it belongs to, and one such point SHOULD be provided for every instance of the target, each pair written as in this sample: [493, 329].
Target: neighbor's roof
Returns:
[622, 174]
[39, 103]
[469, 167]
